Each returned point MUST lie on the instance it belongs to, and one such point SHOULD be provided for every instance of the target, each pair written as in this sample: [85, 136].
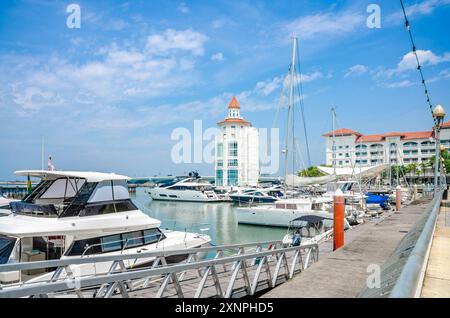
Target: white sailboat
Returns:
[281, 212]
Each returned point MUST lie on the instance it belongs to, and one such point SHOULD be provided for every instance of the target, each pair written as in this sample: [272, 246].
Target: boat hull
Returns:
[273, 217]
[182, 195]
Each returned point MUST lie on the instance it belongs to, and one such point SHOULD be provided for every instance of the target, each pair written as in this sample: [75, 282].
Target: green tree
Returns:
[311, 172]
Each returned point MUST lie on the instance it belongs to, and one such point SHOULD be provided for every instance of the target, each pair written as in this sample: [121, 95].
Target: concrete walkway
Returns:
[437, 275]
[343, 273]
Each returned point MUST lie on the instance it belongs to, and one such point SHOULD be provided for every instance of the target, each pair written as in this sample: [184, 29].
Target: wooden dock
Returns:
[343, 273]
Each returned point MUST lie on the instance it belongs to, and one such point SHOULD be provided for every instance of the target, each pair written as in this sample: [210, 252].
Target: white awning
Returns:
[355, 171]
[89, 176]
[296, 181]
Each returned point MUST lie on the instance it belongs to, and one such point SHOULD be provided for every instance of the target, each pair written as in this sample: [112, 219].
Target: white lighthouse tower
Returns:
[237, 150]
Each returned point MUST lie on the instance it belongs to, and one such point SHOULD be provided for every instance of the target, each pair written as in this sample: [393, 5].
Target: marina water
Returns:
[219, 218]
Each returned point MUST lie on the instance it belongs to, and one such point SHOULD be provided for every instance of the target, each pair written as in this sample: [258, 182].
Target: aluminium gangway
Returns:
[228, 271]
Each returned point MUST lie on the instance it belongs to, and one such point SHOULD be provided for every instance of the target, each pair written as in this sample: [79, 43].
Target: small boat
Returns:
[310, 228]
[191, 189]
[72, 214]
[281, 212]
[4, 205]
[252, 196]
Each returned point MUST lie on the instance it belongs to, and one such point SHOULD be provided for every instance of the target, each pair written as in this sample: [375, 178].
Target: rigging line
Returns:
[278, 106]
[302, 106]
[419, 67]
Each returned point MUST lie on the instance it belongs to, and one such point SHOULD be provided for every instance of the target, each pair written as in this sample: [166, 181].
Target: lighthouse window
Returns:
[232, 163]
[232, 177]
[233, 149]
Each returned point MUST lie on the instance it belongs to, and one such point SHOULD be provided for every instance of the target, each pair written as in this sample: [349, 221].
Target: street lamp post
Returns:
[439, 114]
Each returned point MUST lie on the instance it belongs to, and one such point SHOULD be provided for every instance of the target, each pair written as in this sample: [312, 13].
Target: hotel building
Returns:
[237, 150]
[352, 147]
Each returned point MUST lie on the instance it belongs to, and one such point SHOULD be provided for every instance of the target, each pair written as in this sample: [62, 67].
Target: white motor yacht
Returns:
[191, 189]
[281, 212]
[80, 214]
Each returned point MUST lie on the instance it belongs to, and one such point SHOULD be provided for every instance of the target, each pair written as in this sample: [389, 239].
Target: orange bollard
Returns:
[398, 198]
[338, 219]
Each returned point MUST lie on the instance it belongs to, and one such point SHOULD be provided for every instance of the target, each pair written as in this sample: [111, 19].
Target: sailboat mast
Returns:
[290, 107]
[333, 161]
[42, 153]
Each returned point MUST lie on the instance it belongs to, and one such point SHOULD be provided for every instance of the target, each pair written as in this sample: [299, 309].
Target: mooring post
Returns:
[398, 198]
[338, 219]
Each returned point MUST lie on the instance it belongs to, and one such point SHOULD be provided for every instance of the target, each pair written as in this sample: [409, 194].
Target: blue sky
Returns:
[107, 96]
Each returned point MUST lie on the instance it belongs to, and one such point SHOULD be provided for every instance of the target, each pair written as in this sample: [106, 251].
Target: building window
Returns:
[220, 163]
[340, 147]
[232, 177]
[361, 147]
[346, 147]
[410, 144]
[347, 155]
[340, 163]
[232, 163]
[219, 177]
[233, 149]
[219, 150]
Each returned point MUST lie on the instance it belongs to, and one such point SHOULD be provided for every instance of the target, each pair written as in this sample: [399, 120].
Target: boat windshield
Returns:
[65, 197]
[6, 247]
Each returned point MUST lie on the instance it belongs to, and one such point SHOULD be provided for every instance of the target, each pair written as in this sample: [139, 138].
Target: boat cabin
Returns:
[68, 194]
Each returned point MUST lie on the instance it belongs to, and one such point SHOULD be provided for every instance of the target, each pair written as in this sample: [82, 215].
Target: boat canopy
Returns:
[354, 171]
[296, 181]
[89, 176]
[311, 218]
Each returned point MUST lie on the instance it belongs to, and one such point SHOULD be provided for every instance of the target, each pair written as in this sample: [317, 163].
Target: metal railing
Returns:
[277, 262]
[403, 272]
[409, 283]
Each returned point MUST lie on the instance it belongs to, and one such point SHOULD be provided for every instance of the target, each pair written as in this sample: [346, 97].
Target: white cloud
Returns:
[409, 61]
[218, 57]
[407, 64]
[183, 8]
[170, 40]
[218, 23]
[356, 70]
[329, 23]
[401, 84]
[310, 77]
[266, 88]
[116, 73]
[426, 7]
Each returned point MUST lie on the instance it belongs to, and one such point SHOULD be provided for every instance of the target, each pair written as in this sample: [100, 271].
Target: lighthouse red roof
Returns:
[234, 103]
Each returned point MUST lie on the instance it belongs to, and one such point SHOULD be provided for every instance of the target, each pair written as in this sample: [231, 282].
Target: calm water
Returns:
[220, 218]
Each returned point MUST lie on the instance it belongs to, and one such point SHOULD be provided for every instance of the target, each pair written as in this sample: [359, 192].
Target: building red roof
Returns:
[446, 124]
[403, 136]
[234, 103]
[369, 138]
[417, 135]
[342, 132]
[231, 120]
